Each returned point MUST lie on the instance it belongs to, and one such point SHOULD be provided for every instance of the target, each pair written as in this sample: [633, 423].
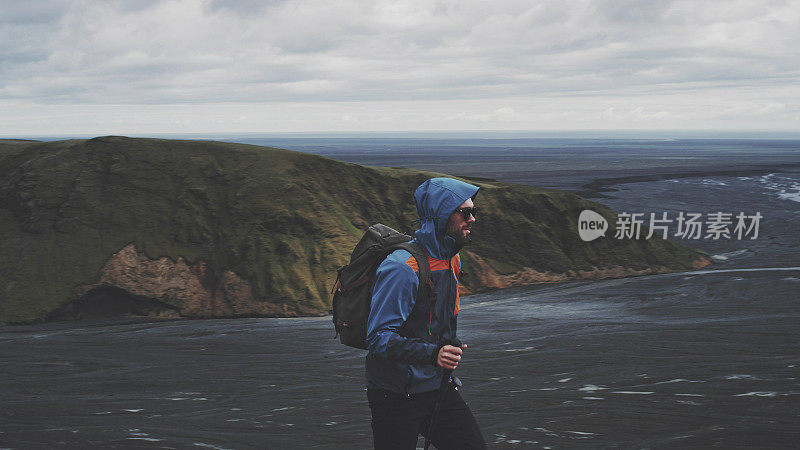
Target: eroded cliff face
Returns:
[488, 278]
[177, 289]
[184, 290]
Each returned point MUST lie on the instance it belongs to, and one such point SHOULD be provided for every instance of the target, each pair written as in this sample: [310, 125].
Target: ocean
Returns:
[709, 358]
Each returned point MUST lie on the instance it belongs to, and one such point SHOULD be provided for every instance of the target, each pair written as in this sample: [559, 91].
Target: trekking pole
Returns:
[443, 388]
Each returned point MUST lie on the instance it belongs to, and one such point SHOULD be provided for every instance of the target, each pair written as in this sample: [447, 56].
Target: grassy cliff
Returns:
[252, 230]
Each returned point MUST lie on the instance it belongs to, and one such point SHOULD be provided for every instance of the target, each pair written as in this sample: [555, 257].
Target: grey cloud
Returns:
[632, 11]
[298, 50]
[244, 7]
[132, 6]
[31, 12]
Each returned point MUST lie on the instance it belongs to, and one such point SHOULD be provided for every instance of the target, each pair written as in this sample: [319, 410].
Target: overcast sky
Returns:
[215, 66]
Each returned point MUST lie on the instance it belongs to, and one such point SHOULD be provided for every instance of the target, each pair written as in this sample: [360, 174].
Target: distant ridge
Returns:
[172, 229]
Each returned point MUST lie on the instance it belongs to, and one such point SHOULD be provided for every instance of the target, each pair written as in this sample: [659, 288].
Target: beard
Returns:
[456, 231]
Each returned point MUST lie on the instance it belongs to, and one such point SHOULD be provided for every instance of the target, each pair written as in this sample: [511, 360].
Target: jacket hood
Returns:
[436, 199]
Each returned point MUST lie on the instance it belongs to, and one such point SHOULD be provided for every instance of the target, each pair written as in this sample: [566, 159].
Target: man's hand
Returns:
[449, 356]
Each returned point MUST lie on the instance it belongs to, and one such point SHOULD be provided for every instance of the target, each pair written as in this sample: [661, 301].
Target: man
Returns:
[407, 336]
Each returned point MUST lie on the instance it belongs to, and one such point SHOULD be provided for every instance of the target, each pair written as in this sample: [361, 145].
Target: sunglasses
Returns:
[466, 212]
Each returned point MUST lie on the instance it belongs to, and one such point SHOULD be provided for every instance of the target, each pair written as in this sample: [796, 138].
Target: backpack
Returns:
[353, 287]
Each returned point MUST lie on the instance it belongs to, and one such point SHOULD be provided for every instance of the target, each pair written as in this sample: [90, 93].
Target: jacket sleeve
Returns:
[393, 297]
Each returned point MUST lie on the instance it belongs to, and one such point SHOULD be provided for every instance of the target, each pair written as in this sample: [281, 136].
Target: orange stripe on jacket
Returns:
[439, 264]
[412, 262]
[436, 264]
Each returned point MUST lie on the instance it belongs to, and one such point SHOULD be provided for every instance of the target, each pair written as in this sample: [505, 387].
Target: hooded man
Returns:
[406, 336]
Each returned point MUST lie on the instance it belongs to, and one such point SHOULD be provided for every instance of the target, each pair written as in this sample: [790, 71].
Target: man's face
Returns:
[457, 226]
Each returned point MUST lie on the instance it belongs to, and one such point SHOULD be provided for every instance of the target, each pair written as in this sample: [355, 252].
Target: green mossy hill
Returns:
[281, 220]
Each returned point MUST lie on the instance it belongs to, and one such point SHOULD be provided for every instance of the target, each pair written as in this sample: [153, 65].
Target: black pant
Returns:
[397, 420]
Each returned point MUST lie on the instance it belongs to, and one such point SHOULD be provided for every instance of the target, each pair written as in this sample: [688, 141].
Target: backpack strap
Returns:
[422, 263]
[426, 287]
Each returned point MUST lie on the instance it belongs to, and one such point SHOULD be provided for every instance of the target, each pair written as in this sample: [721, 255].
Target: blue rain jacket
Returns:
[403, 332]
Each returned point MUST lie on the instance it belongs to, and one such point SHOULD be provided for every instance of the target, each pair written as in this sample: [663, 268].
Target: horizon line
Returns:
[557, 134]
